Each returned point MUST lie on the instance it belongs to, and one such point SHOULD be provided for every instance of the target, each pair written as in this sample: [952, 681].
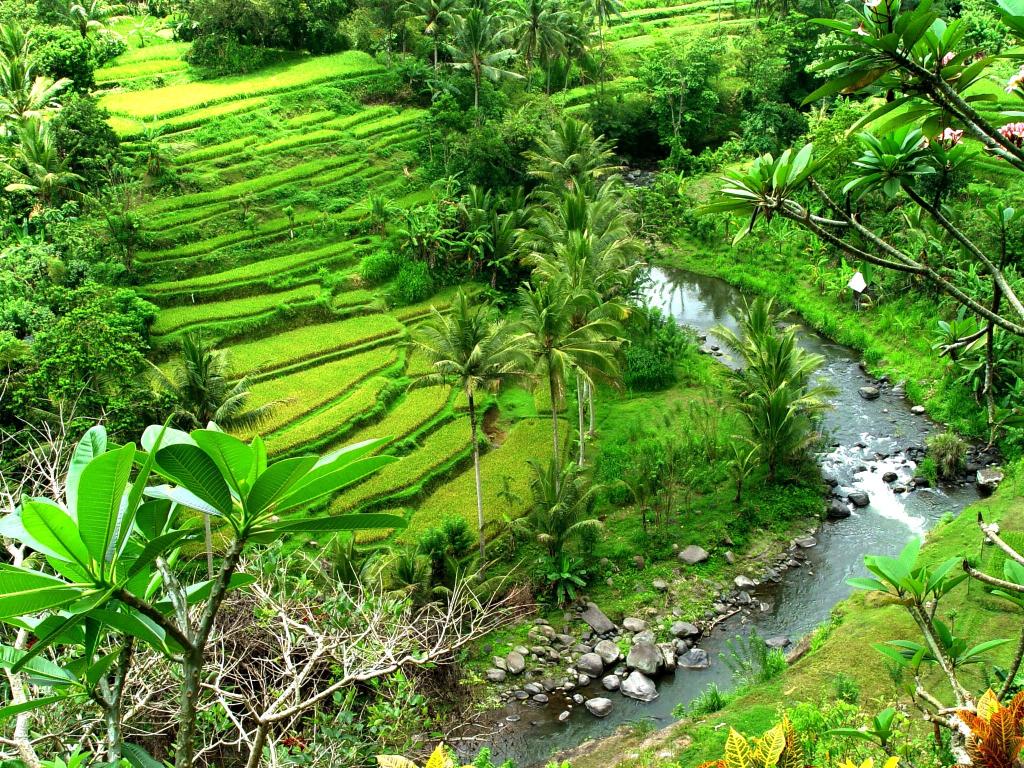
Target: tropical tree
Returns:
[436, 16]
[603, 11]
[778, 394]
[88, 15]
[205, 391]
[479, 48]
[559, 344]
[115, 570]
[572, 157]
[537, 29]
[23, 93]
[37, 166]
[561, 505]
[471, 349]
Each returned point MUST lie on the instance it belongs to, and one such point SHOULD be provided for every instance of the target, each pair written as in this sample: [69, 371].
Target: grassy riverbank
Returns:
[842, 651]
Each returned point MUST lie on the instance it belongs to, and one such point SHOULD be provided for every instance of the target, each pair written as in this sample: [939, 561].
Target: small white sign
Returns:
[857, 283]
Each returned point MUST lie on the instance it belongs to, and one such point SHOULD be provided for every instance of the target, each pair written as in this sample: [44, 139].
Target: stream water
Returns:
[868, 439]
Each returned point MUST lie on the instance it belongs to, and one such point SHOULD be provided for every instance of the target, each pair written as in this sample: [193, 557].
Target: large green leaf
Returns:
[352, 522]
[183, 497]
[11, 710]
[233, 458]
[52, 527]
[92, 444]
[192, 468]
[134, 624]
[332, 481]
[39, 668]
[159, 436]
[139, 757]
[101, 493]
[279, 478]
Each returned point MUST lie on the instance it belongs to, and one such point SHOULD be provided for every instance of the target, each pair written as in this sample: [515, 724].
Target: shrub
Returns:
[413, 284]
[845, 688]
[949, 452]
[107, 45]
[712, 699]
[656, 346]
[223, 55]
[85, 138]
[62, 52]
[379, 266]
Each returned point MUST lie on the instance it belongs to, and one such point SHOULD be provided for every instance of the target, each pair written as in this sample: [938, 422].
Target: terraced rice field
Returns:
[640, 26]
[258, 249]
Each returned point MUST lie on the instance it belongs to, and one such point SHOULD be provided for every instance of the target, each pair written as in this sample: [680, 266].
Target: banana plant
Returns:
[114, 546]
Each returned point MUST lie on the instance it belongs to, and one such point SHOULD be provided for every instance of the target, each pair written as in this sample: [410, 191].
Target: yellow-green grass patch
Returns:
[176, 318]
[329, 420]
[440, 449]
[526, 439]
[417, 408]
[176, 99]
[303, 392]
[309, 342]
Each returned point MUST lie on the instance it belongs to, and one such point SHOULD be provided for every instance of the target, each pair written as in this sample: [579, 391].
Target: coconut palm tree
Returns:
[559, 344]
[603, 10]
[778, 394]
[537, 29]
[436, 16]
[14, 42]
[37, 166]
[470, 348]
[562, 503]
[572, 157]
[479, 48]
[23, 94]
[204, 390]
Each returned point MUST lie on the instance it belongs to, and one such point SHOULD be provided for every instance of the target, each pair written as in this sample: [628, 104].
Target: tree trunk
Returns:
[590, 400]
[476, 474]
[580, 384]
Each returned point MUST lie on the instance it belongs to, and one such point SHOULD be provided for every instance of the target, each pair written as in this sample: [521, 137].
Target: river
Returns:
[867, 439]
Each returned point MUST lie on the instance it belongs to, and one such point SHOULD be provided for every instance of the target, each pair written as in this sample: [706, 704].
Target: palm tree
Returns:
[14, 42]
[777, 391]
[23, 94]
[435, 15]
[603, 10]
[478, 48]
[88, 15]
[37, 165]
[562, 504]
[572, 157]
[471, 349]
[559, 343]
[537, 29]
[378, 210]
[202, 387]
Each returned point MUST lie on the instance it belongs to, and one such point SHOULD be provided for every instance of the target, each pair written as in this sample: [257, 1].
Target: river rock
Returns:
[644, 657]
[859, 498]
[777, 642]
[837, 510]
[668, 656]
[495, 675]
[988, 479]
[695, 658]
[563, 716]
[730, 558]
[599, 706]
[590, 664]
[693, 555]
[608, 651]
[578, 698]
[596, 620]
[647, 636]
[520, 695]
[918, 410]
[632, 624]
[540, 698]
[890, 477]
[638, 562]
[545, 630]
[744, 582]
[806, 542]
[565, 640]
[640, 687]
[684, 629]
[869, 393]
[533, 688]
[611, 682]
[500, 663]
[659, 585]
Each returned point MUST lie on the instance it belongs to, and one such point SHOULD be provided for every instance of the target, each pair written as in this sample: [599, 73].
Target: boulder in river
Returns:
[590, 664]
[596, 619]
[668, 656]
[684, 629]
[781, 641]
[917, 410]
[859, 498]
[869, 393]
[495, 675]
[608, 651]
[890, 477]
[744, 582]
[693, 555]
[837, 510]
[988, 479]
[640, 687]
[611, 682]
[599, 706]
[806, 542]
[644, 657]
[695, 658]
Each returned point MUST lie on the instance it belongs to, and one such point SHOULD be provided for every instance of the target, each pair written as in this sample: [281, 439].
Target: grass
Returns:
[309, 342]
[314, 387]
[408, 415]
[178, 99]
[177, 318]
[525, 438]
